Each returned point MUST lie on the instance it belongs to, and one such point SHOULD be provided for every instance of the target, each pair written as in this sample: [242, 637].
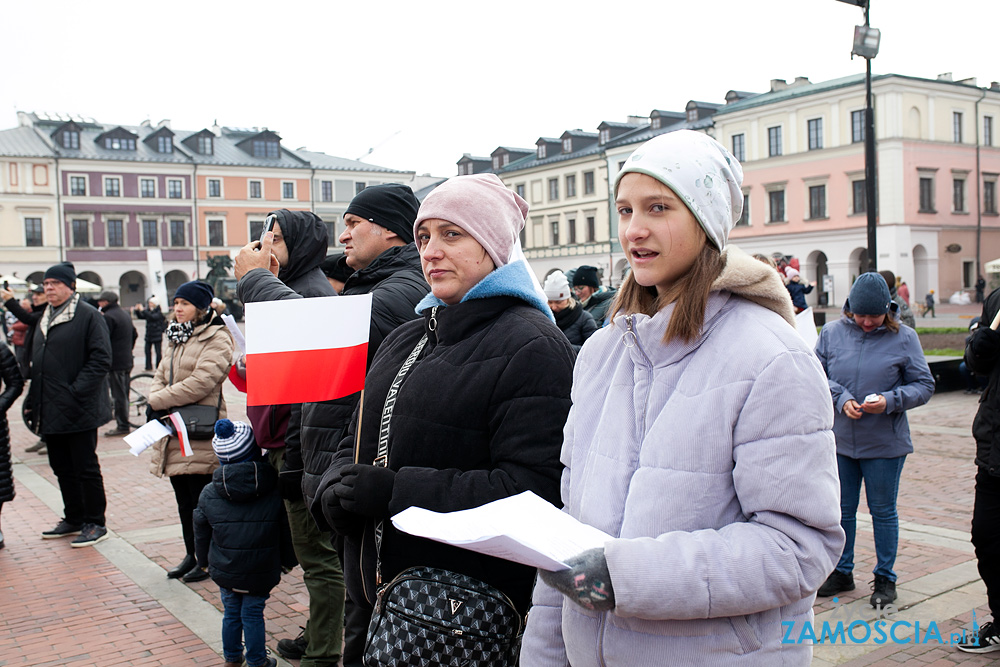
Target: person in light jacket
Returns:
[877, 372]
[699, 441]
[195, 364]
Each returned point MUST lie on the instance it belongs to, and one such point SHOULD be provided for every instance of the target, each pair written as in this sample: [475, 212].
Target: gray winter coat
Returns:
[711, 464]
[880, 362]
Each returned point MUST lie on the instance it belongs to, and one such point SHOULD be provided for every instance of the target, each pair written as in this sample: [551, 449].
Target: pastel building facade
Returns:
[140, 208]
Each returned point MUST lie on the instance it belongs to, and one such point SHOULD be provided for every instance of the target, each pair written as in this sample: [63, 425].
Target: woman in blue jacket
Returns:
[877, 372]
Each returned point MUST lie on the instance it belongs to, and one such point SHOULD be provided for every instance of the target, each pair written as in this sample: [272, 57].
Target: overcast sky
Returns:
[421, 83]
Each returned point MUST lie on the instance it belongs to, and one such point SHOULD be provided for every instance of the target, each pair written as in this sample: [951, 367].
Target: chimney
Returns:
[637, 120]
[778, 84]
[800, 81]
[145, 123]
[164, 123]
[944, 77]
[994, 85]
[971, 81]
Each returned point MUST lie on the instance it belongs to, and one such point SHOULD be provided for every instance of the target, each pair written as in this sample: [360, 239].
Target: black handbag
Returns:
[432, 616]
[199, 420]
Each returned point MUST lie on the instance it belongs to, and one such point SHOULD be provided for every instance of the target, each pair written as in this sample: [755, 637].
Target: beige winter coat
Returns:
[200, 366]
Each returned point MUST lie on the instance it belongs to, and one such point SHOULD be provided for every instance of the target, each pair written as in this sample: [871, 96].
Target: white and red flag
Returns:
[306, 350]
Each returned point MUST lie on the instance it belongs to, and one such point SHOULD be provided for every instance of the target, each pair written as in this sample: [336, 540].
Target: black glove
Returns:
[365, 489]
[290, 483]
[587, 582]
[340, 520]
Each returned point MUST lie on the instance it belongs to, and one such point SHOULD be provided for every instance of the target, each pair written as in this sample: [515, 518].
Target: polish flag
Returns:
[306, 350]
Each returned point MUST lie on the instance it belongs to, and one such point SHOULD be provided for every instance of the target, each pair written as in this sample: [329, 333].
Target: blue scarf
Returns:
[510, 280]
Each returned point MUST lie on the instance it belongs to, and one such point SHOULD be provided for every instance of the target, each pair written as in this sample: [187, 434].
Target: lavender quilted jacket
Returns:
[712, 464]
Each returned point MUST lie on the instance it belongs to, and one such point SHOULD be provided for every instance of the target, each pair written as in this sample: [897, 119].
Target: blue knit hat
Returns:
[197, 293]
[234, 442]
[869, 295]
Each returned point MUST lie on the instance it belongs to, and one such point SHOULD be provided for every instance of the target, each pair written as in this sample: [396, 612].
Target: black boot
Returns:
[183, 567]
[883, 591]
[196, 574]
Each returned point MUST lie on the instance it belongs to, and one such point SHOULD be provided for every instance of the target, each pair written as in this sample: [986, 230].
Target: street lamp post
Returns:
[866, 41]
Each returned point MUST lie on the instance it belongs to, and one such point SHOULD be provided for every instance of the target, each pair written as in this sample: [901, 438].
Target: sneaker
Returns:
[35, 447]
[837, 582]
[293, 649]
[63, 529]
[270, 662]
[987, 641]
[116, 432]
[91, 535]
[883, 591]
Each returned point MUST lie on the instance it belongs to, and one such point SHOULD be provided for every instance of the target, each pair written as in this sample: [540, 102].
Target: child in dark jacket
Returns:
[241, 534]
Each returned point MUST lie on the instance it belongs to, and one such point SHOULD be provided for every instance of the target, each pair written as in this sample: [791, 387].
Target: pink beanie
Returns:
[481, 205]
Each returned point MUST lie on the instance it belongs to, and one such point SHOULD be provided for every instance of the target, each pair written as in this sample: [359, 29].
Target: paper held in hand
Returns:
[140, 439]
[523, 528]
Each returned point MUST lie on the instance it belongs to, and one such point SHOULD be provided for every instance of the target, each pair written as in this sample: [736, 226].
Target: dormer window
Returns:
[567, 145]
[505, 160]
[541, 151]
[656, 123]
[71, 139]
[496, 161]
[692, 115]
[205, 145]
[119, 144]
[164, 144]
[264, 148]
[605, 136]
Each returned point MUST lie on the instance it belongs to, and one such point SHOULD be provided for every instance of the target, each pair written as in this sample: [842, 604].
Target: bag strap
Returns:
[173, 352]
[382, 457]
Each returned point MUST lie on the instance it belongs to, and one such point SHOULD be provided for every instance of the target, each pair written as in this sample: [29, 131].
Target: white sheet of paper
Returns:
[522, 528]
[805, 323]
[141, 438]
[241, 342]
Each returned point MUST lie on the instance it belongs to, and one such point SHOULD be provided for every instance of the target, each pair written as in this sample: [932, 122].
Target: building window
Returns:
[164, 144]
[956, 125]
[744, 220]
[857, 127]
[553, 189]
[859, 196]
[739, 147]
[112, 187]
[657, 122]
[605, 136]
[149, 235]
[571, 224]
[331, 230]
[692, 115]
[519, 189]
[255, 188]
[817, 202]
[266, 149]
[81, 234]
[773, 141]
[256, 227]
[990, 197]
[926, 194]
[815, 127]
[78, 185]
[567, 145]
[588, 182]
[116, 144]
[571, 185]
[555, 232]
[33, 232]
[326, 190]
[70, 139]
[177, 235]
[288, 190]
[205, 145]
[360, 186]
[496, 162]
[591, 229]
[215, 232]
[987, 130]
[116, 234]
[505, 160]
[175, 188]
[147, 187]
[541, 151]
[958, 195]
[776, 199]
[214, 187]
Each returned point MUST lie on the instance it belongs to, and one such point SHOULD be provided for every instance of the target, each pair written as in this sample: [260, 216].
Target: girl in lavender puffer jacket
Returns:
[699, 439]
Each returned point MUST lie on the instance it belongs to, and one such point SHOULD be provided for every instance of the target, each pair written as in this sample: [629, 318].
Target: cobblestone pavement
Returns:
[112, 604]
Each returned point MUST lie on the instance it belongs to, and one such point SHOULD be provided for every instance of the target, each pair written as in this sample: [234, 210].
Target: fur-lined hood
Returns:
[755, 281]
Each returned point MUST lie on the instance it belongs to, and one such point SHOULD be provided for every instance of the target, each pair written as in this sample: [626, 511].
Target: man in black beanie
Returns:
[595, 300]
[68, 400]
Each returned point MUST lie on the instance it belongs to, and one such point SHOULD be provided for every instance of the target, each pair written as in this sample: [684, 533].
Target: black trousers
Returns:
[151, 345]
[73, 457]
[187, 488]
[986, 536]
[118, 381]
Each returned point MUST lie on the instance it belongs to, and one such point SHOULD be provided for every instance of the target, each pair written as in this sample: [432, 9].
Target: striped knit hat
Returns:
[234, 442]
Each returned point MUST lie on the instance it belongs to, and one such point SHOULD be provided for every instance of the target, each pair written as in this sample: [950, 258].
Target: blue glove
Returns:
[587, 582]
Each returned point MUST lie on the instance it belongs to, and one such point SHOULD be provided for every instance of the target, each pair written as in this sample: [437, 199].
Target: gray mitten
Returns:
[587, 582]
